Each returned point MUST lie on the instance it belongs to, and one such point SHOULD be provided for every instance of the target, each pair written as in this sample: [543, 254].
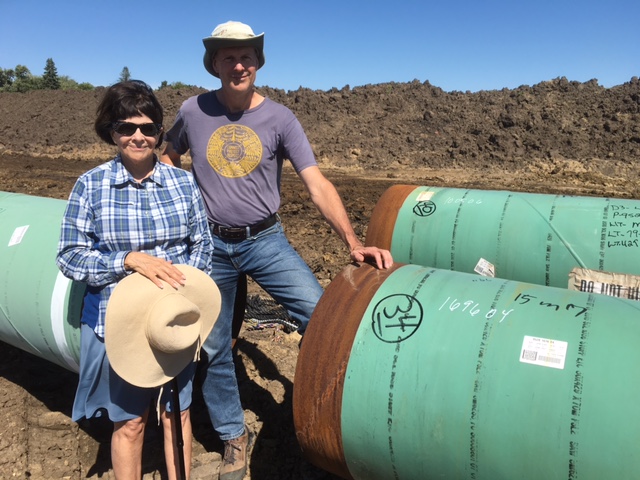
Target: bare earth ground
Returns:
[555, 137]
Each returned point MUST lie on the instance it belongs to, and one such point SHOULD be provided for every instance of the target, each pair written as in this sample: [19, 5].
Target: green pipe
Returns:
[451, 375]
[527, 237]
[39, 307]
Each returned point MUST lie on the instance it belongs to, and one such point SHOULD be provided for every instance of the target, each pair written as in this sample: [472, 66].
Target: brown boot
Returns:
[236, 454]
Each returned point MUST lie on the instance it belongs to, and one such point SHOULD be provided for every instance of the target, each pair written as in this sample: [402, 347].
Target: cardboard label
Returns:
[621, 285]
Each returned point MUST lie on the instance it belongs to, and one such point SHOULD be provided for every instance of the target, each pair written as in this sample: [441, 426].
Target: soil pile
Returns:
[387, 126]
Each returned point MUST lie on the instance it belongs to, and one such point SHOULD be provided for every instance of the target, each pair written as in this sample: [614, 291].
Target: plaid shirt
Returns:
[109, 215]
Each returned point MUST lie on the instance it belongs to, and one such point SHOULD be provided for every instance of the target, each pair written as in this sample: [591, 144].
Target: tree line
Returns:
[20, 79]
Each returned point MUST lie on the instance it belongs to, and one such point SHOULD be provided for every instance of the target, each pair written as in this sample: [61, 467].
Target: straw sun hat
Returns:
[231, 34]
[152, 334]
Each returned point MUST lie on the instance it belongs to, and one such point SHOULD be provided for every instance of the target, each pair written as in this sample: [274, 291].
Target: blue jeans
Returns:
[272, 262]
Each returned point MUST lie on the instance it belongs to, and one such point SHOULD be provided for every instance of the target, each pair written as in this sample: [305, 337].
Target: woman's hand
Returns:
[155, 269]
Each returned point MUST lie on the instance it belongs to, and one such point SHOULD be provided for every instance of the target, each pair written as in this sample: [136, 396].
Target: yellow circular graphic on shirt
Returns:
[234, 151]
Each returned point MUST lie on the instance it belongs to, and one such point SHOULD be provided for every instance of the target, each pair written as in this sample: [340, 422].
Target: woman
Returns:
[131, 214]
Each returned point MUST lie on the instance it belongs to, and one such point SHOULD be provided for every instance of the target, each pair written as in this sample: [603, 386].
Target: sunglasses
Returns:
[128, 129]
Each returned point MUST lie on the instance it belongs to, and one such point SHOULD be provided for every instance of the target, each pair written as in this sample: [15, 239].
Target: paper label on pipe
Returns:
[485, 268]
[424, 196]
[613, 284]
[544, 352]
[18, 235]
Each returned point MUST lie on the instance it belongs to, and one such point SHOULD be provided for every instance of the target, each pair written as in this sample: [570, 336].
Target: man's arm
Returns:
[170, 156]
[328, 202]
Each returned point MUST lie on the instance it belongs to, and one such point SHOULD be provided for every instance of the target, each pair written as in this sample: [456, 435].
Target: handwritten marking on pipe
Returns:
[618, 213]
[526, 298]
[623, 243]
[620, 229]
[470, 201]
[396, 317]
[472, 308]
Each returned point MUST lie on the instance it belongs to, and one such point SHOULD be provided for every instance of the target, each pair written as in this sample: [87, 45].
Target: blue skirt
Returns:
[101, 390]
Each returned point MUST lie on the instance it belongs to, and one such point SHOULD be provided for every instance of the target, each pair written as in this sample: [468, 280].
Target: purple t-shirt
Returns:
[237, 158]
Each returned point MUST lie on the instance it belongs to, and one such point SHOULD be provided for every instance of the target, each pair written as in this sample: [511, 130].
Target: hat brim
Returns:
[128, 350]
[213, 44]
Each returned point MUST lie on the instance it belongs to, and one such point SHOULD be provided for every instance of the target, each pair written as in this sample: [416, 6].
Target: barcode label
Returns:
[544, 352]
[542, 358]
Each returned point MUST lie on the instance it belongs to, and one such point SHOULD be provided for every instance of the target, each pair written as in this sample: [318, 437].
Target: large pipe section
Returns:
[422, 373]
[39, 307]
[527, 237]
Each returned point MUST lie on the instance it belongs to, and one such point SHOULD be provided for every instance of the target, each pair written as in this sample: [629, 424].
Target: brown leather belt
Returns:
[242, 233]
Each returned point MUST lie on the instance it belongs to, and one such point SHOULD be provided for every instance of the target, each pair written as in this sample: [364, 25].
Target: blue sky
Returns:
[455, 45]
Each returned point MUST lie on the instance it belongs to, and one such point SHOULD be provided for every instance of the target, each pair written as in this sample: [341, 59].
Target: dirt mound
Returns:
[387, 126]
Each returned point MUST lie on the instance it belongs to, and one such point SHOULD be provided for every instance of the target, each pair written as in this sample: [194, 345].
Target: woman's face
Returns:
[135, 146]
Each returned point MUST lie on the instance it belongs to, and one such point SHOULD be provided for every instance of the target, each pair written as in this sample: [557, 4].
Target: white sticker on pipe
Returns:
[485, 268]
[544, 352]
[424, 196]
[18, 235]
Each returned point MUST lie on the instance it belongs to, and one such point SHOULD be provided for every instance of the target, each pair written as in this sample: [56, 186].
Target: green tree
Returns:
[7, 76]
[50, 80]
[174, 85]
[24, 81]
[25, 84]
[178, 85]
[67, 83]
[21, 72]
[20, 79]
[125, 75]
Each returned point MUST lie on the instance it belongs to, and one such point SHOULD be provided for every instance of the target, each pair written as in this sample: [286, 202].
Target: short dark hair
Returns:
[125, 100]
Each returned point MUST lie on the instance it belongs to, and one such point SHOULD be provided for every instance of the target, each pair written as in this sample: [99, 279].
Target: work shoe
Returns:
[236, 454]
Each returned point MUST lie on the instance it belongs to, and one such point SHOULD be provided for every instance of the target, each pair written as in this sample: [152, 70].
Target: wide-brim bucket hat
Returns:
[152, 333]
[231, 34]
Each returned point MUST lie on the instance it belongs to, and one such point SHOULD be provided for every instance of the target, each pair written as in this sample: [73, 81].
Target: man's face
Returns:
[236, 66]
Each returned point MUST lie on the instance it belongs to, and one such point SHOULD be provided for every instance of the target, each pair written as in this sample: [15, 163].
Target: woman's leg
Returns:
[126, 447]
[170, 447]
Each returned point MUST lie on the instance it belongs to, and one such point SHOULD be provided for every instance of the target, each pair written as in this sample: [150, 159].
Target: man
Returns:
[238, 141]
